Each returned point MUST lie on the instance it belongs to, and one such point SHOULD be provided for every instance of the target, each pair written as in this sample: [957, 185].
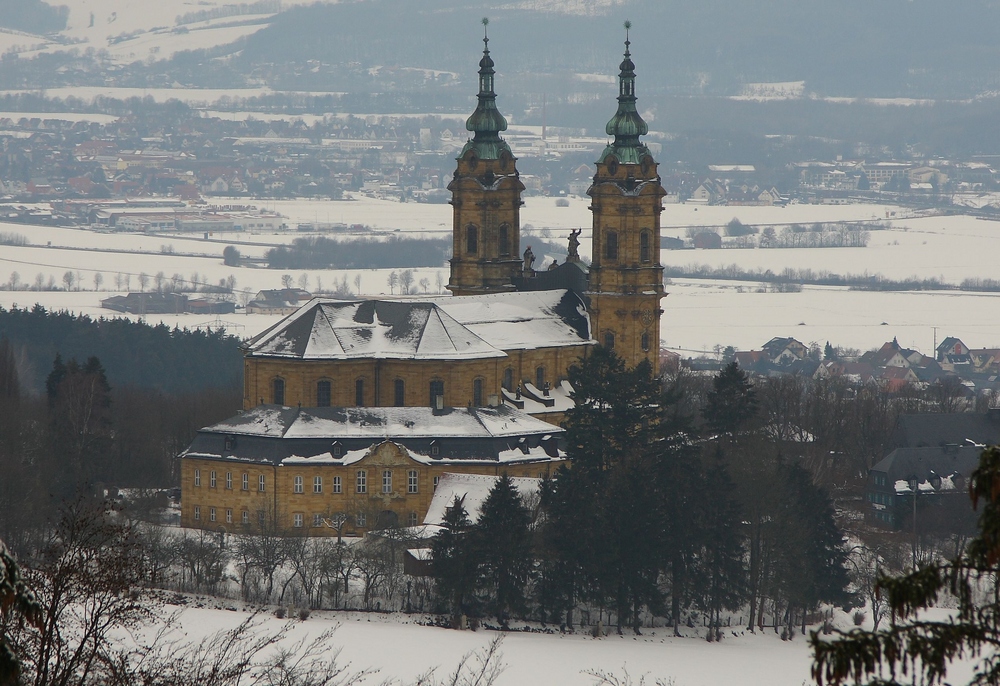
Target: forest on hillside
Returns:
[33, 16]
[134, 354]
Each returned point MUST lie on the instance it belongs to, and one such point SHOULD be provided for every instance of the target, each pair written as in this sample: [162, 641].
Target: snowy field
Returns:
[133, 30]
[402, 650]
[699, 314]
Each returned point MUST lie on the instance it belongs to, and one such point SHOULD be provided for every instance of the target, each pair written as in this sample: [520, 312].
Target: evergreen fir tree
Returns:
[732, 402]
[453, 561]
[504, 549]
[721, 572]
[10, 385]
[610, 494]
[55, 378]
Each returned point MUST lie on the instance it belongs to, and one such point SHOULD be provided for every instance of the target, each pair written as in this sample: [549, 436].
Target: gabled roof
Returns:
[370, 329]
[472, 490]
[344, 435]
[275, 421]
[938, 429]
[438, 328]
[522, 320]
[923, 463]
[949, 343]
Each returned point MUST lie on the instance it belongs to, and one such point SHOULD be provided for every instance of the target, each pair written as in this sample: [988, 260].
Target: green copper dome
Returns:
[486, 122]
[626, 126]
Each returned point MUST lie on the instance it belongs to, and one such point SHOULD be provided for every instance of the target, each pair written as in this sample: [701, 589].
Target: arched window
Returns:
[644, 246]
[323, 394]
[437, 389]
[477, 392]
[645, 342]
[359, 392]
[399, 393]
[472, 239]
[540, 377]
[503, 240]
[508, 379]
[278, 391]
[611, 246]
[609, 340]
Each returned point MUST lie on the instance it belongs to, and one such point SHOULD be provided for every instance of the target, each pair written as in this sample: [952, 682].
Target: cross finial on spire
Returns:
[486, 35]
[628, 25]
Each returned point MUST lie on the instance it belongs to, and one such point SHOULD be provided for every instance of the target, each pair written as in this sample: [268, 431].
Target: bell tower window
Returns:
[278, 391]
[503, 240]
[611, 246]
[644, 246]
[399, 393]
[609, 340]
[645, 342]
[472, 239]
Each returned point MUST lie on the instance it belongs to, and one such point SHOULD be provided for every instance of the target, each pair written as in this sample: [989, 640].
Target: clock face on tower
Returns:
[646, 317]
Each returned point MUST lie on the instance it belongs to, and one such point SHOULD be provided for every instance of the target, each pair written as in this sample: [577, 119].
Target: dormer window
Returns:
[230, 443]
[337, 449]
[435, 448]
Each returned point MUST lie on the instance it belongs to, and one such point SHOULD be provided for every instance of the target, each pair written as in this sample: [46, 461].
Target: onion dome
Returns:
[626, 126]
[486, 122]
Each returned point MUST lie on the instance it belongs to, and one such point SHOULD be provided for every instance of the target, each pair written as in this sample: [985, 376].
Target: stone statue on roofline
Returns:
[529, 260]
[574, 245]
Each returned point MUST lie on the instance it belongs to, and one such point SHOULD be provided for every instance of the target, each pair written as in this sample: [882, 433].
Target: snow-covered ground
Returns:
[401, 650]
[133, 30]
[699, 314]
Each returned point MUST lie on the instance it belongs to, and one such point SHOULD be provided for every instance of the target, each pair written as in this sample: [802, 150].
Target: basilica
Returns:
[353, 410]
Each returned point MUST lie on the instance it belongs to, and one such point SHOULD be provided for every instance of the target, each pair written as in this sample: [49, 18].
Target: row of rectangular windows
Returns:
[360, 486]
[880, 498]
[213, 480]
[324, 393]
[298, 519]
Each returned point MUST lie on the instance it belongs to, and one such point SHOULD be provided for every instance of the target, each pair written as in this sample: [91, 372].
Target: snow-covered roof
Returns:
[370, 329]
[439, 328]
[382, 422]
[472, 489]
[340, 436]
[523, 320]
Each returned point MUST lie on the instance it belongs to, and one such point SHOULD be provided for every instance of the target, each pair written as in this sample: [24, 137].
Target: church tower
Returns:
[626, 277]
[486, 200]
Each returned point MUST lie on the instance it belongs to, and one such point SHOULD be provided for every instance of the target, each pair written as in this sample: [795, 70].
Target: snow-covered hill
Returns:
[131, 30]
